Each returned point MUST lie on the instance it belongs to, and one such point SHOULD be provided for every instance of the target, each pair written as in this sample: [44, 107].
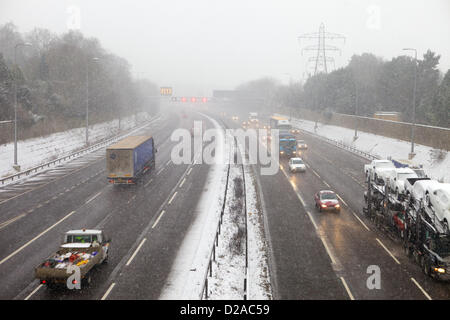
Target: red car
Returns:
[327, 200]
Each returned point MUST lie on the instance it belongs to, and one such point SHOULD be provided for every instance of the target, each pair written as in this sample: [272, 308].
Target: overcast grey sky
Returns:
[200, 45]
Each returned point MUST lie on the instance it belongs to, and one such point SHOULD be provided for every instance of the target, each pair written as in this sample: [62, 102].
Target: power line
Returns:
[320, 57]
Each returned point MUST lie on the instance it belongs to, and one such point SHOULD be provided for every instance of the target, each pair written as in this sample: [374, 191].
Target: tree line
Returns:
[56, 74]
[366, 85]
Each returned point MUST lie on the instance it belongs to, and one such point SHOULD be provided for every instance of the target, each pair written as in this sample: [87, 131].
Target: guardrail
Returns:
[212, 255]
[343, 146]
[72, 155]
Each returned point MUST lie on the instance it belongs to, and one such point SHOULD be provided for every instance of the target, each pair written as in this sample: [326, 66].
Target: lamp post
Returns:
[412, 154]
[16, 166]
[87, 98]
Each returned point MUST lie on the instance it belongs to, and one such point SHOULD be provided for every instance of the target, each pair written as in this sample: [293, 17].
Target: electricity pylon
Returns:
[320, 58]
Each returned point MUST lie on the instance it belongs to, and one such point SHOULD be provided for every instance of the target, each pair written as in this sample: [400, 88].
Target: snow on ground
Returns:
[259, 287]
[383, 147]
[227, 281]
[186, 279]
[33, 152]
[188, 272]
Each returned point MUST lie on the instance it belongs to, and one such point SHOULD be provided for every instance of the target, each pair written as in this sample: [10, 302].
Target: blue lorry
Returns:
[288, 145]
[129, 158]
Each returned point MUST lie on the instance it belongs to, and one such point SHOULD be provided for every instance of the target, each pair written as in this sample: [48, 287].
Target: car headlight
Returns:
[439, 270]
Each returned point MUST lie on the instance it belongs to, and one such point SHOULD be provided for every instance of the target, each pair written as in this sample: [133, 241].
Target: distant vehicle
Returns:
[82, 248]
[129, 158]
[388, 115]
[327, 200]
[397, 178]
[253, 117]
[301, 144]
[287, 145]
[280, 123]
[376, 167]
[295, 131]
[244, 124]
[235, 118]
[297, 164]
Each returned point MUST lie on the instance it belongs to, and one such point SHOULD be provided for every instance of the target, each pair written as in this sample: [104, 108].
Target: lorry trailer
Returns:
[129, 158]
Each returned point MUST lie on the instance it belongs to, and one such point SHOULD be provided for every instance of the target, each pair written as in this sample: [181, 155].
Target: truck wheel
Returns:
[106, 259]
[426, 268]
[87, 281]
[407, 250]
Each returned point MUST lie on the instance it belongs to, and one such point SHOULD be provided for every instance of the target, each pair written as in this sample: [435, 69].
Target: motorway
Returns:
[326, 255]
[151, 217]
[313, 255]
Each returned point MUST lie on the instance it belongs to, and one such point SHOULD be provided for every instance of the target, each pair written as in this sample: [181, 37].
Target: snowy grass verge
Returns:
[36, 151]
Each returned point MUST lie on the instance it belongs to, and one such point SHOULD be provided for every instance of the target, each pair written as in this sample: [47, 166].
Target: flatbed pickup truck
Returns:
[84, 249]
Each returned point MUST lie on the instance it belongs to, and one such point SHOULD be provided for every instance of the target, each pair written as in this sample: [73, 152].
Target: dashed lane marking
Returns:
[35, 238]
[421, 289]
[34, 291]
[135, 252]
[157, 220]
[387, 250]
[347, 289]
[108, 291]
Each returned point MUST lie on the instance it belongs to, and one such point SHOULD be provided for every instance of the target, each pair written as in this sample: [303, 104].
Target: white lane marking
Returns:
[168, 162]
[342, 200]
[34, 291]
[356, 216]
[421, 289]
[157, 220]
[148, 182]
[171, 199]
[135, 252]
[4, 224]
[333, 261]
[381, 244]
[326, 184]
[35, 238]
[182, 182]
[190, 169]
[160, 170]
[312, 220]
[132, 198]
[93, 197]
[108, 291]
[314, 171]
[347, 288]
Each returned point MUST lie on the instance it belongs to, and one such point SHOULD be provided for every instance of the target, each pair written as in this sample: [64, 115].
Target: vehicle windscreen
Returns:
[297, 161]
[301, 141]
[284, 127]
[328, 196]
[81, 238]
[287, 143]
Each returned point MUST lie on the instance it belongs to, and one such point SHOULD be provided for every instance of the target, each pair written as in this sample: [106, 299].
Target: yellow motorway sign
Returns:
[165, 91]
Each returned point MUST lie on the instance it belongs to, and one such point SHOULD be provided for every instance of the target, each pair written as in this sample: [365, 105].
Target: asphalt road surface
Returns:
[327, 255]
[313, 255]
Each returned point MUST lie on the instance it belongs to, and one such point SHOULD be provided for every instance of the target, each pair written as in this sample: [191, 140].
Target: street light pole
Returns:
[412, 154]
[87, 99]
[16, 166]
